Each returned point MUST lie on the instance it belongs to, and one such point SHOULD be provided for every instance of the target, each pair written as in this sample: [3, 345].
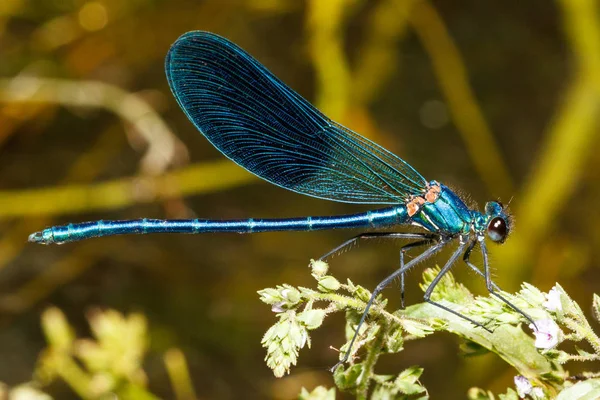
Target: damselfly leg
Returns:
[491, 286]
[440, 275]
[403, 250]
[374, 235]
[424, 238]
[382, 285]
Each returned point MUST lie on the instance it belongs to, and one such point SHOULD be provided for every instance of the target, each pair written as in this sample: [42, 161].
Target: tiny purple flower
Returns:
[278, 307]
[546, 333]
[523, 386]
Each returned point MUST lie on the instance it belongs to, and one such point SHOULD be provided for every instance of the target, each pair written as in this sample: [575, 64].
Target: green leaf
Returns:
[312, 319]
[586, 390]
[570, 307]
[416, 328]
[347, 379]
[447, 288]
[352, 319]
[510, 395]
[319, 393]
[517, 348]
[328, 284]
[534, 296]
[350, 286]
[509, 342]
[596, 307]
[470, 349]
[283, 295]
[269, 296]
[394, 342]
[362, 294]
[479, 394]
[407, 381]
[584, 353]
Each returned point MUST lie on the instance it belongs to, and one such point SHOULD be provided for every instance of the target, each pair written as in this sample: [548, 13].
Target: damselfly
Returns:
[261, 124]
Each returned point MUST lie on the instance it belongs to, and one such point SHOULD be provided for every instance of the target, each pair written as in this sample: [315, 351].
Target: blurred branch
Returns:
[70, 199]
[45, 283]
[273, 7]
[179, 374]
[78, 260]
[569, 143]
[324, 22]
[78, 198]
[13, 116]
[86, 167]
[376, 63]
[12, 241]
[342, 94]
[387, 23]
[9, 8]
[162, 144]
[202, 177]
[109, 365]
[467, 115]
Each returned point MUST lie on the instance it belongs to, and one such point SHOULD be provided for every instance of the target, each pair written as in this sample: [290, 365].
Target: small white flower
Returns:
[319, 268]
[552, 302]
[290, 295]
[523, 386]
[537, 393]
[304, 339]
[278, 307]
[546, 333]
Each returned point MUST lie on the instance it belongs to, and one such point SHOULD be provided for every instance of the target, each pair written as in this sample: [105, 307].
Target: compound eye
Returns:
[497, 229]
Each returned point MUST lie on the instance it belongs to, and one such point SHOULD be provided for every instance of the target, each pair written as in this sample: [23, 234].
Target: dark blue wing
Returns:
[264, 126]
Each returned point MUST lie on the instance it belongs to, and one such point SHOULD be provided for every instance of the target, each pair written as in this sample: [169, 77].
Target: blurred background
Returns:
[497, 100]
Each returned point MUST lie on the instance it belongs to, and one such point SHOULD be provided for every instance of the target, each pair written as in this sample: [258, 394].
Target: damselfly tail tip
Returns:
[37, 237]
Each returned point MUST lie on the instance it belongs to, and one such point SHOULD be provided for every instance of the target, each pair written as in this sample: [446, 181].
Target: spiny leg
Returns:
[372, 235]
[436, 280]
[426, 254]
[491, 286]
[403, 250]
[425, 239]
[466, 258]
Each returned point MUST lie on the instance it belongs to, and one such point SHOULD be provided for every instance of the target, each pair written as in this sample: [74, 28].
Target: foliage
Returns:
[104, 367]
[538, 360]
[520, 109]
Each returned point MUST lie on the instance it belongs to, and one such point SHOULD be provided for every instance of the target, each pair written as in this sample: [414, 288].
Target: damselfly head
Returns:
[499, 223]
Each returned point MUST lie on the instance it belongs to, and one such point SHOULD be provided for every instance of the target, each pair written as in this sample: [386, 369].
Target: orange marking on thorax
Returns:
[415, 203]
[433, 193]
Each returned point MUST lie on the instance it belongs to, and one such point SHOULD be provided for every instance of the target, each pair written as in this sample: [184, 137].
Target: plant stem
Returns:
[373, 351]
